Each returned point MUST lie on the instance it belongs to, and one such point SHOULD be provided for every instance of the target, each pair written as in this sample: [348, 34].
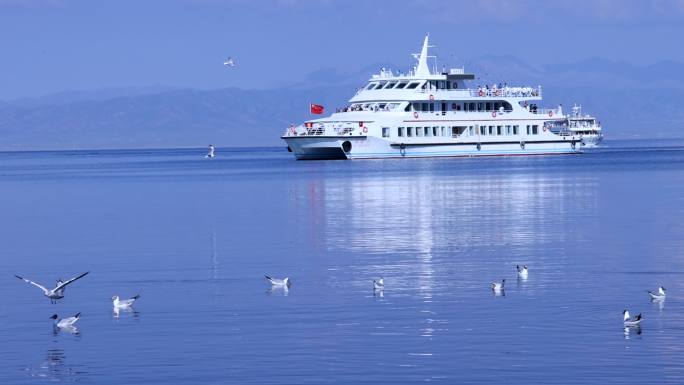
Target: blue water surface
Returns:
[195, 237]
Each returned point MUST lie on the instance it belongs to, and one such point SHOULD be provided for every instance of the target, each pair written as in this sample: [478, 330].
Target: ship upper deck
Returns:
[420, 83]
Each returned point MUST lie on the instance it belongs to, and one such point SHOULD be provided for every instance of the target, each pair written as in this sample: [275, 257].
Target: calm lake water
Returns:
[194, 237]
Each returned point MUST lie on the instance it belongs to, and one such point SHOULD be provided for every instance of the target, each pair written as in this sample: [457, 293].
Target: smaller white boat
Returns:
[585, 126]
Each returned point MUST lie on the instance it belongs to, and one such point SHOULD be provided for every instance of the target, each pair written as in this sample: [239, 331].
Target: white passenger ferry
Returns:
[424, 113]
[587, 127]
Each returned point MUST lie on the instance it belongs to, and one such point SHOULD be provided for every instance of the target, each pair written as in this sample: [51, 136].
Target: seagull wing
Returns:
[34, 284]
[63, 284]
[128, 302]
[70, 321]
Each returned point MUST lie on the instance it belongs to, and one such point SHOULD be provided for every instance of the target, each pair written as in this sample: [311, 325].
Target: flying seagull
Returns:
[285, 282]
[659, 296]
[229, 62]
[65, 322]
[379, 284]
[631, 321]
[123, 303]
[58, 291]
[522, 271]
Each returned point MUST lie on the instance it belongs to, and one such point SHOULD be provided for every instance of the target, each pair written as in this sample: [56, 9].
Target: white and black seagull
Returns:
[65, 323]
[379, 284]
[498, 286]
[58, 291]
[659, 296]
[285, 282]
[631, 321]
[211, 152]
[522, 271]
[124, 303]
[230, 62]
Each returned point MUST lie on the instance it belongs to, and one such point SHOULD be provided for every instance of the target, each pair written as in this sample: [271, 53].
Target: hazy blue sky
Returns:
[57, 45]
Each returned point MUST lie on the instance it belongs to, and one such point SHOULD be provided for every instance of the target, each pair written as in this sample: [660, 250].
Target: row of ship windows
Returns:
[456, 131]
[398, 85]
[458, 106]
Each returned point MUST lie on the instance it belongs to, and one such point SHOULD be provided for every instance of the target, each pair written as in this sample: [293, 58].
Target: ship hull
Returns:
[343, 147]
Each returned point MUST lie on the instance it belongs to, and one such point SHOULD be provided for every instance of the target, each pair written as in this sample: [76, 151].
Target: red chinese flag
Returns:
[316, 109]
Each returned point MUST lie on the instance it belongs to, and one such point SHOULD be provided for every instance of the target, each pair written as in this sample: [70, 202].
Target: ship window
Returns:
[443, 131]
[491, 130]
[470, 130]
[400, 85]
[454, 85]
[508, 130]
[515, 130]
[424, 106]
[409, 131]
[382, 106]
[412, 85]
[479, 106]
[432, 107]
[400, 131]
[483, 130]
[385, 132]
[498, 130]
[535, 130]
[528, 129]
[427, 131]
[434, 131]
[489, 106]
[471, 107]
[389, 85]
[416, 106]
[380, 85]
[371, 86]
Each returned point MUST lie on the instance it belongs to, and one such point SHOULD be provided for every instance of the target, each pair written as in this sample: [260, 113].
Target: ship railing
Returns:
[551, 112]
[321, 130]
[511, 92]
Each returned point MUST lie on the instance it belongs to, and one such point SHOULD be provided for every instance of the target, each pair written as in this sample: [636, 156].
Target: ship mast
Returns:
[422, 68]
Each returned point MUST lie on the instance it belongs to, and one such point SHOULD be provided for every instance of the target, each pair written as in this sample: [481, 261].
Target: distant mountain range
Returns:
[631, 101]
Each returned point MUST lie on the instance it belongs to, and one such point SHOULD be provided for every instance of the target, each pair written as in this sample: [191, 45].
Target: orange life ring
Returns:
[432, 97]
[365, 130]
[550, 114]
[415, 115]
[493, 114]
[481, 93]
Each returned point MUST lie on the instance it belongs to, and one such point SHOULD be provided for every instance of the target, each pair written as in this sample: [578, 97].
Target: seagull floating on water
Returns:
[58, 291]
[211, 152]
[285, 282]
[498, 286]
[631, 321]
[522, 271]
[66, 322]
[379, 284]
[123, 303]
[659, 296]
